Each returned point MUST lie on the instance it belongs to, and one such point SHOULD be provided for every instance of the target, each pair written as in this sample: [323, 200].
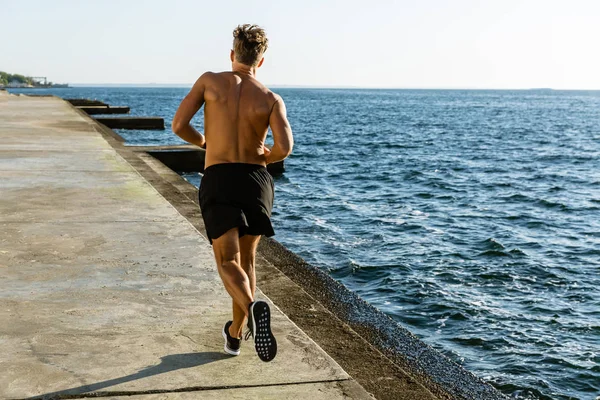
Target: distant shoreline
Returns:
[57, 86]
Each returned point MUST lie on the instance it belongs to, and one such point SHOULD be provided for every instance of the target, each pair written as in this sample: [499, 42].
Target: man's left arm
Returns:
[186, 111]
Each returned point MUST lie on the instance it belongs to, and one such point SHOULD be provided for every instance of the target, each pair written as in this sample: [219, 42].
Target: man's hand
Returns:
[199, 140]
[267, 153]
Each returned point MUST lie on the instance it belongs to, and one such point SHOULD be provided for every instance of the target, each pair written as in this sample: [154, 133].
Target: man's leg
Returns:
[248, 244]
[235, 279]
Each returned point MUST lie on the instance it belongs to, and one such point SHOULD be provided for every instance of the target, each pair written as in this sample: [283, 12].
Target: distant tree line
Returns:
[6, 78]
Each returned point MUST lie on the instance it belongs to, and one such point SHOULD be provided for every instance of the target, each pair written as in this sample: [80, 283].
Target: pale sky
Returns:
[503, 44]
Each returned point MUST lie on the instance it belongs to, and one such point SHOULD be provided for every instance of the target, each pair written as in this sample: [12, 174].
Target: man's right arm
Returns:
[186, 111]
[283, 141]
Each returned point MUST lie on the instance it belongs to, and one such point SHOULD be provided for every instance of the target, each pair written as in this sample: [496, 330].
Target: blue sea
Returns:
[470, 217]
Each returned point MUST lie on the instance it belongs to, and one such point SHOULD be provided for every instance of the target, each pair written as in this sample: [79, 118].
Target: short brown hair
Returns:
[249, 44]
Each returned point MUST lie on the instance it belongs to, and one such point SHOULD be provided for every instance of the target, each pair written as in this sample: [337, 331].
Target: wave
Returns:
[493, 244]
[553, 204]
[494, 253]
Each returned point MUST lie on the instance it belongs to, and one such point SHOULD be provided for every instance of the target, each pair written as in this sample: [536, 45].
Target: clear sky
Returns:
[405, 44]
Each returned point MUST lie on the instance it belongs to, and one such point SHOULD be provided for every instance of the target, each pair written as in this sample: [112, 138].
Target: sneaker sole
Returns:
[227, 349]
[264, 341]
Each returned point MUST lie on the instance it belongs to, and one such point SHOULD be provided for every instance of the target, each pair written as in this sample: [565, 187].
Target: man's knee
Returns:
[231, 268]
[230, 265]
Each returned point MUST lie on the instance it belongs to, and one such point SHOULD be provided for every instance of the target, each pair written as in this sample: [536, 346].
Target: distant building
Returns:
[17, 84]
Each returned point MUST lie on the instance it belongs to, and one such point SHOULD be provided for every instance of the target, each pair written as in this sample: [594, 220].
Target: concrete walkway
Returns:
[107, 289]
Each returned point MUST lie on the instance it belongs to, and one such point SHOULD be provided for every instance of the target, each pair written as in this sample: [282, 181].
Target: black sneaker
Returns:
[232, 345]
[259, 326]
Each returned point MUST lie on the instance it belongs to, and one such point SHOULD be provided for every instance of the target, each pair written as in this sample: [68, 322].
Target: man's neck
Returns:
[243, 69]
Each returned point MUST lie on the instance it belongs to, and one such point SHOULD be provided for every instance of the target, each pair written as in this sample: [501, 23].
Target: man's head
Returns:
[249, 44]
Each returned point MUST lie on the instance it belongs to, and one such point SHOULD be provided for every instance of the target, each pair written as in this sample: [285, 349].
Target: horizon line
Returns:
[286, 86]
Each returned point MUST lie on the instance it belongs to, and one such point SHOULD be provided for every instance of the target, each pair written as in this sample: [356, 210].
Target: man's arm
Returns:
[283, 141]
[186, 111]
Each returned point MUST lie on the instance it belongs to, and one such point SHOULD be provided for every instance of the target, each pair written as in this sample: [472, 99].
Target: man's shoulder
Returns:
[210, 75]
[274, 96]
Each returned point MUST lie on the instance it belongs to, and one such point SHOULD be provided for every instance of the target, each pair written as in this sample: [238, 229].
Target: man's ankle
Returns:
[236, 334]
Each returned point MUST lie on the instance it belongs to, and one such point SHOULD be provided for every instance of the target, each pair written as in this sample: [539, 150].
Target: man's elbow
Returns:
[289, 148]
[286, 149]
[177, 126]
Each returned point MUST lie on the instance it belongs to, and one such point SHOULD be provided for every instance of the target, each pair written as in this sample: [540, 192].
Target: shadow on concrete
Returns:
[168, 363]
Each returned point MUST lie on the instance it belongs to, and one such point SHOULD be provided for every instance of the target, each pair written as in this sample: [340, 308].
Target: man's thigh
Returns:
[227, 246]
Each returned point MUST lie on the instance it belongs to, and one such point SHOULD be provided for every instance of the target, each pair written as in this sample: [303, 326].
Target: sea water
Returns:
[470, 217]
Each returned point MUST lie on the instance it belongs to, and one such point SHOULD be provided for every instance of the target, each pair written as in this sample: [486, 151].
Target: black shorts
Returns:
[236, 195]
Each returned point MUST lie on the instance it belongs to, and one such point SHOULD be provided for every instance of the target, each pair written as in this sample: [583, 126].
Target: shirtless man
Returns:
[236, 193]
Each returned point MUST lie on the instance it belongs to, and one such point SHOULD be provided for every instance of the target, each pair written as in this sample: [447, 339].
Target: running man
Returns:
[236, 192]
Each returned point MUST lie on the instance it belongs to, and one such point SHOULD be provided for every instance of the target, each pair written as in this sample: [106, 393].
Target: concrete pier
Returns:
[99, 110]
[86, 102]
[107, 290]
[145, 123]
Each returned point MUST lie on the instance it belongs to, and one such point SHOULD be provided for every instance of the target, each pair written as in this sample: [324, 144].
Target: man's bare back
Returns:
[237, 114]
[237, 111]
